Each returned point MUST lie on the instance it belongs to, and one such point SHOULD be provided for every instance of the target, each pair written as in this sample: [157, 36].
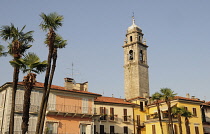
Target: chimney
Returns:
[193, 97]
[187, 95]
[69, 83]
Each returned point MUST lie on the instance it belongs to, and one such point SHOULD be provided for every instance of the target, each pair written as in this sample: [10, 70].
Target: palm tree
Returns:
[178, 112]
[157, 97]
[59, 43]
[17, 46]
[187, 115]
[30, 63]
[50, 23]
[168, 95]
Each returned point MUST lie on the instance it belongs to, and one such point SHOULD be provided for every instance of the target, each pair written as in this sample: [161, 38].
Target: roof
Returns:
[180, 98]
[136, 98]
[206, 103]
[112, 100]
[133, 26]
[41, 85]
[184, 98]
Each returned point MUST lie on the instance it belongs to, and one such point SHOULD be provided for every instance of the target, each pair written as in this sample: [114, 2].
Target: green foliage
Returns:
[156, 96]
[58, 43]
[30, 63]
[167, 94]
[52, 20]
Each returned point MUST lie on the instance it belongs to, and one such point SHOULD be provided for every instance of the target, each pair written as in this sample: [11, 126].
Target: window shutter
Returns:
[55, 128]
[104, 110]
[101, 110]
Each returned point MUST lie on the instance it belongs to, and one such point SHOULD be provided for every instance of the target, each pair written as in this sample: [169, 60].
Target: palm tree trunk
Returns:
[48, 89]
[187, 125]
[29, 81]
[180, 123]
[170, 118]
[14, 89]
[51, 47]
[159, 117]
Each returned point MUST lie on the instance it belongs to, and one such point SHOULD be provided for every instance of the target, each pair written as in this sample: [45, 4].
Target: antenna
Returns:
[72, 71]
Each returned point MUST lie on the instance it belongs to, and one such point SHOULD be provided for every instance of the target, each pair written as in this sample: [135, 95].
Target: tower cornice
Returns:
[133, 43]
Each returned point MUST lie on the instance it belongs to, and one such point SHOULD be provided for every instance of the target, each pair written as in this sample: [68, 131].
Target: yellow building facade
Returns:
[192, 105]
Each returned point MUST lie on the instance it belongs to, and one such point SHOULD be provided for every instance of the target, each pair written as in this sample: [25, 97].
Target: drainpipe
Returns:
[134, 121]
[3, 110]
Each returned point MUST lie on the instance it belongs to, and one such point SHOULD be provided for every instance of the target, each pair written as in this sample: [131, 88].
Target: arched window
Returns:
[141, 56]
[131, 39]
[130, 55]
[139, 38]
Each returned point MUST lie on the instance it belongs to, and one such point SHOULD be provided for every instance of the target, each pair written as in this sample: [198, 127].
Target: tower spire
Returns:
[133, 19]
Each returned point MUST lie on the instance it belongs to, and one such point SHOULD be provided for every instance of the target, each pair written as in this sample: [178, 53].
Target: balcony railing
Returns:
[127, 119]
[155, 116]
[69, 109]
[113, 118]
[33, 108]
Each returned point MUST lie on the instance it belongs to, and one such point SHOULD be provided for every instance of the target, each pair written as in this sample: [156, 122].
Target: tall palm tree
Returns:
[50, 23]
[178, 112]
[30, 64]
[156, 97]
[168, 95]
[58, 44]
[186, 114]
[17, 46]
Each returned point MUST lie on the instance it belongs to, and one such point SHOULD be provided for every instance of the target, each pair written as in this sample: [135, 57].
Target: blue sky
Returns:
[177, 33]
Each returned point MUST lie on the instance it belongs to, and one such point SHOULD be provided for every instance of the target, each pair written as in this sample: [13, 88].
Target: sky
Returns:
[177, 33]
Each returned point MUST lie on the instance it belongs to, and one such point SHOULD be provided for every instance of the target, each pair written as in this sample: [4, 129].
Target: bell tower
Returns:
[136, 79]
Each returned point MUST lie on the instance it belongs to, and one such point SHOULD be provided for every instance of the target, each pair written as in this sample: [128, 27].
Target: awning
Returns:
[164, 108]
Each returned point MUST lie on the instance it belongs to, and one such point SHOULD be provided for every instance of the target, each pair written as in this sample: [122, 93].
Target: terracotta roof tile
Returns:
[179, 98]
[136, 98]
[112, 100]
[41, 85]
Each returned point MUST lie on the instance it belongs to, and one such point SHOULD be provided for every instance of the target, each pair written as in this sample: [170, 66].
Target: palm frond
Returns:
[52, 20]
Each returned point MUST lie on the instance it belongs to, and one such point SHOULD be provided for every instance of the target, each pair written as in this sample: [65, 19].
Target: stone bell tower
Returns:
[136, 78]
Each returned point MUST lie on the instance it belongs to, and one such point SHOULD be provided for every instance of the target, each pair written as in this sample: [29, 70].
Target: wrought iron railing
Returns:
[69, 109]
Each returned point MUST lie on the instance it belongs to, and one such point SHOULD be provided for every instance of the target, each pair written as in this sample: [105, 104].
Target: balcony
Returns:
[33, 108]
[156, 117]
[113, 118]
[127, 119]
[69, 110]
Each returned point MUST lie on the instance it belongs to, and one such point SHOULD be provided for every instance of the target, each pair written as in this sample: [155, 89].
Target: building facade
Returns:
[69, 110]
[192, 105]
[205, 109]
[116, 116]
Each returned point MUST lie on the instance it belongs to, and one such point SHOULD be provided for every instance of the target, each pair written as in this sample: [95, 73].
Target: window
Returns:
[94, 129]
[196, 130]
[130, 55]
[131, 39]
[138, 120]
[111, 129]
[111, 113]
[185, 108]
[103, 113]
[125, 129]
[101, 129]
[141, 106]
[52, 127]
[194, 112]
[141, 55]
[153, 129]
[84, 105]
[125, 114]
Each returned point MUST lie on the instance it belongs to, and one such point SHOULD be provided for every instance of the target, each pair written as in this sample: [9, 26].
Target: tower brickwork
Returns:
[136, 78]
